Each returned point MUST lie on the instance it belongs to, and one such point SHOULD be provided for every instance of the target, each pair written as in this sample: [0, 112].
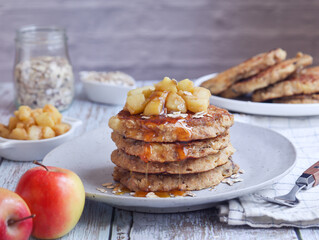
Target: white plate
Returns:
[269, 109]
[265, 156]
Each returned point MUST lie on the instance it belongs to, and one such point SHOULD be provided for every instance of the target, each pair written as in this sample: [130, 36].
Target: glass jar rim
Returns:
[44, 34]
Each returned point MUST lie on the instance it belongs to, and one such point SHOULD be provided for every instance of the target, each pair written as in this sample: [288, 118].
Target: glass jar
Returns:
[42, 71]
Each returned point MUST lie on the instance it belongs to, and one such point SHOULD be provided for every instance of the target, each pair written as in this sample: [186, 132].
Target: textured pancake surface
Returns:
[299, 99]
[270, 76]
[170, 152]
[161, 182]
[191, 165]
[304, 83]
[244, 70]
[164, 128]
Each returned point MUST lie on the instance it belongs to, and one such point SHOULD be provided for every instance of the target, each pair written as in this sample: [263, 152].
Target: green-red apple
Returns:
[56, 196]
[15, 216]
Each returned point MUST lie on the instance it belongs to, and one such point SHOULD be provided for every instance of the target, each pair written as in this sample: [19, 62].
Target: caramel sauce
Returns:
[168, 194]
[122, 191]
[146, 173]
[181, 151]
[147, 153]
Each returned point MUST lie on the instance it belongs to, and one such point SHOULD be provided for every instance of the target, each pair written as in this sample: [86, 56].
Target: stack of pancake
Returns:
[178, 151]
[269, 77]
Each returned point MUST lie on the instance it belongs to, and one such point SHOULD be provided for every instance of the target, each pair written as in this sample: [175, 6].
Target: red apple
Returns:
[56, 196]
[15, 216]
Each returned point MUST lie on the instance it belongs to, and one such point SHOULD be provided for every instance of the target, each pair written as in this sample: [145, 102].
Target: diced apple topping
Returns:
[169, 95]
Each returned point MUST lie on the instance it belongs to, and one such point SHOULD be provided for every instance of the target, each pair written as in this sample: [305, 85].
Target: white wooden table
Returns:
[100, 221]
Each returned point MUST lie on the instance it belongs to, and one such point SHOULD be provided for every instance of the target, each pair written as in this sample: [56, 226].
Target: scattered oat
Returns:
[111, 186]
[151, 195]
[241, 171]
[199, 114]
[228, 181]
[189, 194]
[209, 115]
[145, 117]
[234, 176]
[107, 184]
[238, 180]
[177, 115]
[187, 93]
[102, 190]
[233, 179]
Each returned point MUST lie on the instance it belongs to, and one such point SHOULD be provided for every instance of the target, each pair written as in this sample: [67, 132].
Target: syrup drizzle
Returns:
[147, 153]
[181, 151]
[167, 194]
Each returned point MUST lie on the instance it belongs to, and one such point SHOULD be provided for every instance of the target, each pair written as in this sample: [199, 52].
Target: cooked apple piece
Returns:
[47, 132]
[19, 133]
[61, 128]
[147, 92]
[155, 103]
[202, 93]
[135, 104]
[20, 125]
[140, 90]
[24, 113]
[195, 104]
[44, 119]
[4, 132]
[29, 122]
[186, 85]
[167, 84]
[34, 132]
[55, 114]
[36, 112]
[12, 123]
[175, 103]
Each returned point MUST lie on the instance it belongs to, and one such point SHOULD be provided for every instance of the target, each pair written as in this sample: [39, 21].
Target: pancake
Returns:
[170, 152]
[161, 182]
[244, 70]
[307, 82]
[299, 99]
[172, 128]
[268, 77]
[191, 165]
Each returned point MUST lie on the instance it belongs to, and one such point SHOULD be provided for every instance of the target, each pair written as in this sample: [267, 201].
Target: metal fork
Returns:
[309, 179]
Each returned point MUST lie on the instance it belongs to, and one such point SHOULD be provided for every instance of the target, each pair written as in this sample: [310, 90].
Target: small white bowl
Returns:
[29, 150]
[104, 92]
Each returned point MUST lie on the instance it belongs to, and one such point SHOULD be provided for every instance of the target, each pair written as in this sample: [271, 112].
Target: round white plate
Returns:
[268, 109]
[264, 155]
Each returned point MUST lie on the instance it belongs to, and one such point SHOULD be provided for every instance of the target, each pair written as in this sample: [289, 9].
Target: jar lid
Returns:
[40, 34]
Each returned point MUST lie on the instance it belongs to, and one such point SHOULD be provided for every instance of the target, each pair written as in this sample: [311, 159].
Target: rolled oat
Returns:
[44, 80]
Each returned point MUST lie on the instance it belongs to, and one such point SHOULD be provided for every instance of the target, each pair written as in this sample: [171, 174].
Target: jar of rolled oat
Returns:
[43, 72]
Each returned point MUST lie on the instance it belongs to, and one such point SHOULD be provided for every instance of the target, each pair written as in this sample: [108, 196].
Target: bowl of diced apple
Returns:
[32, 133]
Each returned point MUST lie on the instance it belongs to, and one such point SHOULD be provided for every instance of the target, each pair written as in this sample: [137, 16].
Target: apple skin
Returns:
[12, 206]
[55, 196]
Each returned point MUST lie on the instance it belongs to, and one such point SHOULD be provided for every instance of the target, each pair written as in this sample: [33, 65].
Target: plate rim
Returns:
[241, 106]
[111, 199]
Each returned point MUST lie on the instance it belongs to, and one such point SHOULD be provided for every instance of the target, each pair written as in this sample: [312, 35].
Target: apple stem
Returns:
[11, 221]
[37, 163]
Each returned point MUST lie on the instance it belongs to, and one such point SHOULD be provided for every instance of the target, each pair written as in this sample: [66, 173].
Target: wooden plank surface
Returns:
[100, 221]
